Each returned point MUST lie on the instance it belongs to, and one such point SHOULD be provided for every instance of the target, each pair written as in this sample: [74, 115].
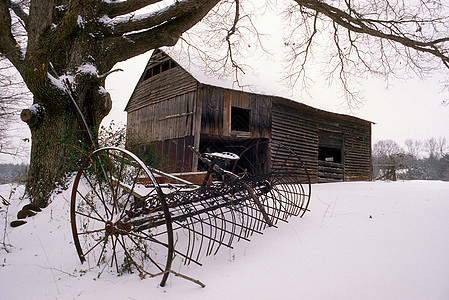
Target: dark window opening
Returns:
[329, 154]
[156, 70]
[165, 66]
[147, 74]
[240, 119]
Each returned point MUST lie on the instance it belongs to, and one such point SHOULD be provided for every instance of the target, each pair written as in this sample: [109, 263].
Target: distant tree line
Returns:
[13, 173]
[425, 160]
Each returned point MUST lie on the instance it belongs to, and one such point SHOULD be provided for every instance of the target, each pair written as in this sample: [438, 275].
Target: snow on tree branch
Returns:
[117, 8]
[178, 10]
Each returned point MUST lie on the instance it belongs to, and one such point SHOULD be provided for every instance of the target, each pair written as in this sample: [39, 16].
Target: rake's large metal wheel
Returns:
[119, 223]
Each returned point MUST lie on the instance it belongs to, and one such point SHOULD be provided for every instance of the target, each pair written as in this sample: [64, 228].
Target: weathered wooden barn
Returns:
[170, 110]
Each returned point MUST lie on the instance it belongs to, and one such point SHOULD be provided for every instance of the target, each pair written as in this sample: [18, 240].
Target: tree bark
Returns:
[32, 115]
[58, 139]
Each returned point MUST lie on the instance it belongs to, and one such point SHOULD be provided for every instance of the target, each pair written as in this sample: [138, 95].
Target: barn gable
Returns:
[163, 78]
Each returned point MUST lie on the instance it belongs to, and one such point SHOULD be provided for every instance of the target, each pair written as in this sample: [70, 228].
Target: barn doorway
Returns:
[254, 154]
[330, 156]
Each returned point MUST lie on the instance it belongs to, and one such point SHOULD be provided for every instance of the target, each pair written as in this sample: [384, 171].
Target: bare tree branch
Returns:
[67, 25]
[174, 11]
[18, 10]
[389, 38]
[8, 44]
[166, 34]
[367, 26]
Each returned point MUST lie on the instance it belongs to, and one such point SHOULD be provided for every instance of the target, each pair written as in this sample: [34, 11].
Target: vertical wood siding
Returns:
[162, 120]
[216, 112]
[260, 124]
[169, 155]
[212, 100]
[357, 151]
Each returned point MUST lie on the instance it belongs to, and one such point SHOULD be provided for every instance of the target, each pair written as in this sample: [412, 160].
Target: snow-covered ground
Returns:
[364, 240]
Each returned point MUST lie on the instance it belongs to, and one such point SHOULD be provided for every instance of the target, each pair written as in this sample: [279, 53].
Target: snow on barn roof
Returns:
[261, 81]
[252, 81]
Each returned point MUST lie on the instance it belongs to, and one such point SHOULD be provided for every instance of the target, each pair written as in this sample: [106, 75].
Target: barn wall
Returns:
[168, 156]
[357, 151]
[212, 112]
[356, 147]
[170, 110]
[162, 120]
[330, 152]
[261, 107]
[216, 110]
[296, 131]
[307, 131]
[163, 86]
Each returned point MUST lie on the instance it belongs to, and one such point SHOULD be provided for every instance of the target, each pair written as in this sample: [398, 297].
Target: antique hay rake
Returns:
[123, 218]
[126, 216]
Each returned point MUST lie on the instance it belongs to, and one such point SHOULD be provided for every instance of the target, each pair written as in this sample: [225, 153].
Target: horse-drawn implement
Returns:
[129, 217]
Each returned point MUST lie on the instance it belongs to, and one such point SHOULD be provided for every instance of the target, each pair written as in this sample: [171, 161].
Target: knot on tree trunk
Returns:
[33, 115]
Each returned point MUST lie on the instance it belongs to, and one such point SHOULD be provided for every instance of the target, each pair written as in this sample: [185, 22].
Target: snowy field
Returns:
[366, 240]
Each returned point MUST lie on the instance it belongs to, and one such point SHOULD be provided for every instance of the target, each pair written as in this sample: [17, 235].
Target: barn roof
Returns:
[257, 85]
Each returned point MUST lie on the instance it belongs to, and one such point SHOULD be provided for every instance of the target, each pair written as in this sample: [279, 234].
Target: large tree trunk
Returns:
[58, 139]
[53, 153]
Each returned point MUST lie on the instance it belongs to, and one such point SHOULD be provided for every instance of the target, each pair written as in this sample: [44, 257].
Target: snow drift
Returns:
[361, 240]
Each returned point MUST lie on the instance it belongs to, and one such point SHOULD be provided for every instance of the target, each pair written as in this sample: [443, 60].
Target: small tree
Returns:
[431, 147]
[13, 95]
[442, 146]
[414, 148]
[389, 158]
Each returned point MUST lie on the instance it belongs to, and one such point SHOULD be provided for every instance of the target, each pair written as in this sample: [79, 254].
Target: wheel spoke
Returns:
[130, 193]
[91, 231]
[100, 197]
[146, 256]
[114, 256]
[104, 239]
[111, 181]
[152, 239]
[90, 216]
[101, 254]
[122, 165]
[130, 257]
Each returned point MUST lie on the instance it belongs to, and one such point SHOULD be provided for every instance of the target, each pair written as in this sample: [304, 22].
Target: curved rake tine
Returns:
[165, 245]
